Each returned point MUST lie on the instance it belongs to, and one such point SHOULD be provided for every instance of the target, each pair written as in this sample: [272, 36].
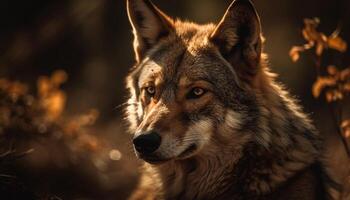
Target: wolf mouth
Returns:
[157, 160]
[188, 151]
[153, 159]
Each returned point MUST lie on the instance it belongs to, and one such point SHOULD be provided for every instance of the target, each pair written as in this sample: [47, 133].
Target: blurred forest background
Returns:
[62, 134]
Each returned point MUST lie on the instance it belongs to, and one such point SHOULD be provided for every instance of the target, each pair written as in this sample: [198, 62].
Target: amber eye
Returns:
[150, 90]
[196, 93]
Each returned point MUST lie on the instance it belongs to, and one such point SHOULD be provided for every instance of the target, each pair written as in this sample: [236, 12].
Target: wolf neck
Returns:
[284, 144]
[198, 178]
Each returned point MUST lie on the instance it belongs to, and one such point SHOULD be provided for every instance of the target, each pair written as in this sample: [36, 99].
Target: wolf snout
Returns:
[147, 142]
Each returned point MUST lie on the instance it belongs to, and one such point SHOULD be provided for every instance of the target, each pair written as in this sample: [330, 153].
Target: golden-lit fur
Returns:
[243, 138]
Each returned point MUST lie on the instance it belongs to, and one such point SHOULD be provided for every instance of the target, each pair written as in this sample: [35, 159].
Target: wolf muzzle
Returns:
[147, 142]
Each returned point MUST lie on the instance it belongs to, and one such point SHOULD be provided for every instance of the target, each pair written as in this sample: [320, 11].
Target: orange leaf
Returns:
[332, 70]
[319, 48]
[44, 86]
[347, 133]
[346, 87]
[345, 74]
[309, 32]
[337, 43]
[329, 96]
[294, 53]
[59, 77]
[338, 95]
[345, 125]
[321, 83]
[54, 104]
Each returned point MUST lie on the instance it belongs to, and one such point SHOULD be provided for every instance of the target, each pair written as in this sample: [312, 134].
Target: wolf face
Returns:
[192, 87]
[209, 118]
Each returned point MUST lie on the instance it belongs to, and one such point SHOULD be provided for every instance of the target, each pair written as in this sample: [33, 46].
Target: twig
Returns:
[318, 61]
[12, 155]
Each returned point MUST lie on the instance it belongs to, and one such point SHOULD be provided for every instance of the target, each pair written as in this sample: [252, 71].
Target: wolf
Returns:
[208, 117]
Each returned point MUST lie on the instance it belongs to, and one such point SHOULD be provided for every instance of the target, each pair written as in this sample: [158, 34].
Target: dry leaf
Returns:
[332, 70]
[309, 32]
[317, 39]
[54, 105]
[347, 87]
[321, 83]
[14, 89]
[319, 48]
[337, 43]
[345, 74]
[44, 86]
[338, 95]
[345, 125]
[329, 96]
[294, 53]
[59, 77]
[52, 99]
[337, 84]
[333, 95]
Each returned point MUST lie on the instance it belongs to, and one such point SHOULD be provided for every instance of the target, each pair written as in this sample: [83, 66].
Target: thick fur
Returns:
[244, 138]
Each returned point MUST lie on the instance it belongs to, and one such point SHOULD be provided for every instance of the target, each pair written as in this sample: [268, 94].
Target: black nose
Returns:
[148, 142]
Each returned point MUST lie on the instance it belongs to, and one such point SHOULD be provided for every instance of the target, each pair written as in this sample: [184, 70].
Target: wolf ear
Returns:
[149, 24]
[238, 38]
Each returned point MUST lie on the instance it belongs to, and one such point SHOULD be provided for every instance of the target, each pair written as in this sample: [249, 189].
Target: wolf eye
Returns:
[196, 93]
[150, 90]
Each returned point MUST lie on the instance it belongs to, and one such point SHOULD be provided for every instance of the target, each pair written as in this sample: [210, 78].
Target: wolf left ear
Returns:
[238, 38]
[149, 25]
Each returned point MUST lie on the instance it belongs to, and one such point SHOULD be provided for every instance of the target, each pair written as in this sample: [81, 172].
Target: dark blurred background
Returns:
[92, 41]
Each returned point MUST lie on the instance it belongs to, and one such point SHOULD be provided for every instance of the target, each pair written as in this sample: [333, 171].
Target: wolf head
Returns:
[193, 86]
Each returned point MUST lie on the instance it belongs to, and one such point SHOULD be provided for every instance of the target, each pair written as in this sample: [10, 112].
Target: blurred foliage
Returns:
[336, 83]
[346, 128]
[35, 134]
[42, 114]
[64, 154]
[318, 40]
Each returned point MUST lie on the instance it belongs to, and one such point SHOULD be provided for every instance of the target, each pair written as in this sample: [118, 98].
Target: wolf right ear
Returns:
[149, 25]
[237, 36]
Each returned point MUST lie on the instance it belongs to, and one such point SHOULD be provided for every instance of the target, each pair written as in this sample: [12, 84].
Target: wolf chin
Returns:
[208, 118]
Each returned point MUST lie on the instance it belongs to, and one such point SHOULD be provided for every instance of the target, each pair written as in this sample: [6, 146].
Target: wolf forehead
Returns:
[186, 54]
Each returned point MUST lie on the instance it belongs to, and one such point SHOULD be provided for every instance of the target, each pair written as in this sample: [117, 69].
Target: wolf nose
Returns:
[147, 142]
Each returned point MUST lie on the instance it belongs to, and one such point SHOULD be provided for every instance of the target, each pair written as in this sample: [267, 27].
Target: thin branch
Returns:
[318, 61]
